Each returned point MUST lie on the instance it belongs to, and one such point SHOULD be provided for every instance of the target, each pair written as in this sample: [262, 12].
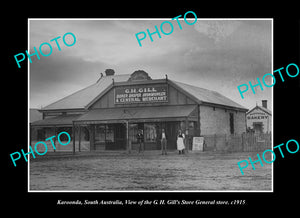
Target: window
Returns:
[109, 137]
[104, 133]
[41, 134]
[63, 137]
[100, 133]
[231, 123]
[150, 133]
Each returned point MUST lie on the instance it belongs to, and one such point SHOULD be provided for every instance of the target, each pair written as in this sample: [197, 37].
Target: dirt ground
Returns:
[108, 171]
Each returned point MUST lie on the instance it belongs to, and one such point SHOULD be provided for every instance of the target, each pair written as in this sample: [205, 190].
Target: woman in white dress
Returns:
[180, 142]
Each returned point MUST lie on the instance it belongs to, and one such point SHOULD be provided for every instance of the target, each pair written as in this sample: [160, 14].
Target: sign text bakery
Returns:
[141, 94]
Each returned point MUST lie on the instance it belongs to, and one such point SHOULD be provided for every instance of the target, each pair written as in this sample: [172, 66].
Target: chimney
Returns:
[109, 72]
[264, 103]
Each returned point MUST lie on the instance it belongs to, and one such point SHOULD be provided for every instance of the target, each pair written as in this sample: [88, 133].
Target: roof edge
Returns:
[225, 106]
[170, 82]
[261, 108]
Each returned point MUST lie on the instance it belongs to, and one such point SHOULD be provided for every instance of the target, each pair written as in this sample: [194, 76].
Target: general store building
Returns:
[108, 114]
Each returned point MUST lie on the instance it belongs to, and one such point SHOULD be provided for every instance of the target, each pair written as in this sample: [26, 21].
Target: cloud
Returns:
[58, 75]
[213, 54]
[217, 29]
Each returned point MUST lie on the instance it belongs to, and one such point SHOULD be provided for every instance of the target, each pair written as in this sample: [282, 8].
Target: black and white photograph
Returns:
[151, 107]
[142, 105]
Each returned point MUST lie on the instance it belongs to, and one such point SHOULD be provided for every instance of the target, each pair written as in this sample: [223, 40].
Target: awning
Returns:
[61, 120]
[139, 114]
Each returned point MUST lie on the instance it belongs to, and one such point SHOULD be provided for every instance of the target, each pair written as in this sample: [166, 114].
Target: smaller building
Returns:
[35, 115]
[259, 119]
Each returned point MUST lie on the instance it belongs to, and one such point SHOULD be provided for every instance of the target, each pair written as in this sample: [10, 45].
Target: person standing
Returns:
[180, 142]
[140, 140]
[163, 142]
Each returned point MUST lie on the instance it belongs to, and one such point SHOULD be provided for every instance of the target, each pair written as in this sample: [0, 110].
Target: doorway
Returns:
[120, 137]
[110, 136]
[258, 127]
[171, 129]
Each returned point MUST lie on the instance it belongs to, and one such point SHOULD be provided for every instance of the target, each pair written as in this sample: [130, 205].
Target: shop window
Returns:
[86, 134]
[104, 133]
[100, 133]
[109, 133]
[150, 132]
[63, 137]
[41, 134]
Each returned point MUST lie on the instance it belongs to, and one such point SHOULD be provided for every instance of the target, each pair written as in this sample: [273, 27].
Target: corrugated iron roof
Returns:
[81, 98]
[208, 96]
[61, 120]
[261, 108]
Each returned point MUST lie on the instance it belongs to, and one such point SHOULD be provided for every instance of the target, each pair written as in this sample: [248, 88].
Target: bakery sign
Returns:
[257, 115]
[141, 94]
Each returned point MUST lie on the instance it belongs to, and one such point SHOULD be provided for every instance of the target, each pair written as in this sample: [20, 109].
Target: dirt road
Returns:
[148, 171]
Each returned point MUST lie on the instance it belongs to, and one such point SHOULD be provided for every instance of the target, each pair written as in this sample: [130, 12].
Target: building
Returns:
[34, 115]
[108, 114]
[259, 119]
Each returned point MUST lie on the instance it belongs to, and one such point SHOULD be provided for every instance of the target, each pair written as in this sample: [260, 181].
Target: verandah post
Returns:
[243, 141]
[54, 138]
[128, 143]
[187, 140]
[215, 142]
[73, 136]
[79, 137]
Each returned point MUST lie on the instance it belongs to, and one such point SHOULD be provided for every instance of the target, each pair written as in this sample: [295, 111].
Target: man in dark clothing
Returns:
[140, 140]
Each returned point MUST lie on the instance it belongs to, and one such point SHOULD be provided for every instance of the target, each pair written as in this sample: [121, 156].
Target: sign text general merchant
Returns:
[138, 94]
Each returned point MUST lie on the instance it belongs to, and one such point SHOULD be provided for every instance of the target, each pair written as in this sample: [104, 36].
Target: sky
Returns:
[218, 55]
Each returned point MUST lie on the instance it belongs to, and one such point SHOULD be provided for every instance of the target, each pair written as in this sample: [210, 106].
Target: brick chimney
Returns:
[109, 72]
[264, 103]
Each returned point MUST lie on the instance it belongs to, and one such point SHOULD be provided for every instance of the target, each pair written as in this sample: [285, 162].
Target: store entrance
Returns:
[171, 129]
[110, 136]
[152, 134]
[258, 127]
[120, 138]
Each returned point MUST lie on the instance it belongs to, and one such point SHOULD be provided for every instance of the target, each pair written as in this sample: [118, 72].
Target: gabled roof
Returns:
[260, 108]
[82, 98]
[208, 96]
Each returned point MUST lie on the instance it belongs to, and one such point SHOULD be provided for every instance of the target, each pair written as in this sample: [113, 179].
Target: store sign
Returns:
[257, 116]
[198, 143]
[141, 94]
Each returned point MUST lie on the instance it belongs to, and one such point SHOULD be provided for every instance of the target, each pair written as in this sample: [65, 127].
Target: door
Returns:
[120, 137]
[171, 129]
[258, 127]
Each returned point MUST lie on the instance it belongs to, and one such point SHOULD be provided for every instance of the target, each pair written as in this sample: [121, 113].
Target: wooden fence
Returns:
[237, 142]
